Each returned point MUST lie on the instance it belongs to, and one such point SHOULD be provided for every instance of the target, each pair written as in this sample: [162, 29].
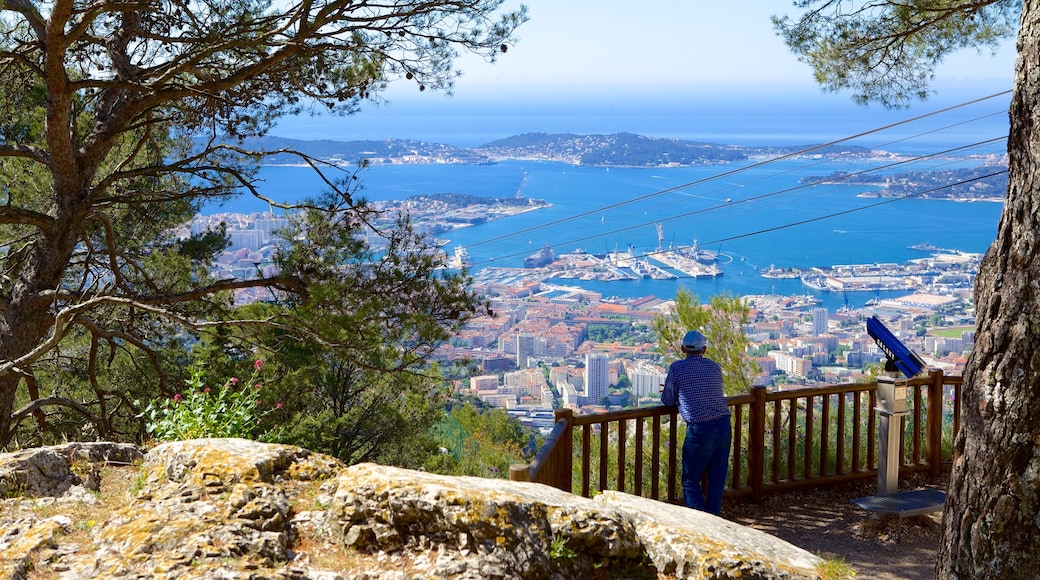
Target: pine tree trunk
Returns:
[991, 523]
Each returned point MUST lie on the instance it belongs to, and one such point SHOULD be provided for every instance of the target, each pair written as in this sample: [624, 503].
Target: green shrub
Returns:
[233, 409]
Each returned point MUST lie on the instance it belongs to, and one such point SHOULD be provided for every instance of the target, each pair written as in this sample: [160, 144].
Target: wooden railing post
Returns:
[520, 472]
[564, 466]
[933, 433]
[756, 442]
[674, 466]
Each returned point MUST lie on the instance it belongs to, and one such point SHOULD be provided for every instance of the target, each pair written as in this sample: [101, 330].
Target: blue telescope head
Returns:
[899, 356]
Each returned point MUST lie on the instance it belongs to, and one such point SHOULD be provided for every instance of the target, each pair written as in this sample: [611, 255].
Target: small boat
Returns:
[462, 259]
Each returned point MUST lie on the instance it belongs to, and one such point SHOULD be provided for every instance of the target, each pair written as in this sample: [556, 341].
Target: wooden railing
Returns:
[781, 440]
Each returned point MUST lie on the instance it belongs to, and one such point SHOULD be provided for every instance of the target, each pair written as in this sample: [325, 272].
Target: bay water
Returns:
[754, 217]
[756, 214]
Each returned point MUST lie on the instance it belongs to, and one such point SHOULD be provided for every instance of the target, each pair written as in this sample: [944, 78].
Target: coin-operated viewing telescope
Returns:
[899, 356]
[891, 408]
[891, 401]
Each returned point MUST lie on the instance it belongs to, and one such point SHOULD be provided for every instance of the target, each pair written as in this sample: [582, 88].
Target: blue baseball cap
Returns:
[693, 340]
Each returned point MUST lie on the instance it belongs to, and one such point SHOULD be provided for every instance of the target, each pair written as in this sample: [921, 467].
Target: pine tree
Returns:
[119, 121]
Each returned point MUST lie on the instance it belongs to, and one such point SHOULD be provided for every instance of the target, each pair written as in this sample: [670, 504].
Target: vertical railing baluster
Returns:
[958, 392]
[621, 443]
[792, 437]
[756, 442]
[638, 484]
[775, 463]
[902, 440]
[586, 452]
[655, 459]
[604, 454]
[825, 433]
[857, 428]
[933, 447]
[918, 424]
[872, 436]
[839, 464]
[809, 415]
[737, 449]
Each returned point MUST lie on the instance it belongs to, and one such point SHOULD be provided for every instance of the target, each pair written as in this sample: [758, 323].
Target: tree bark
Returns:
[991, 523]
[27, 316]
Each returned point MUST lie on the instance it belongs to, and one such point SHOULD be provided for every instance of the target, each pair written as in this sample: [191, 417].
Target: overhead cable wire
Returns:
[820, 162]
[726, 206]
[797, 153]
[814, 219]
[827, 216]
[838, 181]
[834, 181]
[855, 209]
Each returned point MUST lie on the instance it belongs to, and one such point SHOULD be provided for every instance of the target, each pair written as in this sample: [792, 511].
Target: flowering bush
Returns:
[231, 410]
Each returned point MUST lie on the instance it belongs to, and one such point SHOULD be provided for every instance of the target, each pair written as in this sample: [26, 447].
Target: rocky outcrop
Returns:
[230, 508]
[51, 471]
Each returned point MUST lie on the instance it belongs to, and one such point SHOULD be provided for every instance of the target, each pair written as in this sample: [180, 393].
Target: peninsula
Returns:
[987, 181]
[618, 149]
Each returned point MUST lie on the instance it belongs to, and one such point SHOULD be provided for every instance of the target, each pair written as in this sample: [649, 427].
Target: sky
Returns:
[672, 44]
[611, 57]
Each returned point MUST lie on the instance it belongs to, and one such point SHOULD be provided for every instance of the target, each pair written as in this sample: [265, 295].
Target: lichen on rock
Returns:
[232, 508]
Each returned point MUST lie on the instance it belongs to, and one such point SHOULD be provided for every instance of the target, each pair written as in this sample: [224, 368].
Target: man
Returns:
[694, 384]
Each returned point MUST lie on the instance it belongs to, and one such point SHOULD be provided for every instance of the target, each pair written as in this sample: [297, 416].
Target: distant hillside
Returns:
[353, 152]
[619, 149]
[987, 181]
[628, 149]
[462, 200]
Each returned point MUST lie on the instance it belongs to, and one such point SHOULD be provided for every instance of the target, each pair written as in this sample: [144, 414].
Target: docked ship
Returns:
[640, 268]
[695, 252]
[925, 247]
[773, 272]
[462, 259]
[541, 258]
[815, 281]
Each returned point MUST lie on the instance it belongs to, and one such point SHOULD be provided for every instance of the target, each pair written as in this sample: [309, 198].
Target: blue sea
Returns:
[756, 214]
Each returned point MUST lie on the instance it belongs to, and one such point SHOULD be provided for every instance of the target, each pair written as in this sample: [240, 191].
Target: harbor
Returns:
[629, 273]
[948, 268]
[671, 264]
[629, 265]
[692, 261]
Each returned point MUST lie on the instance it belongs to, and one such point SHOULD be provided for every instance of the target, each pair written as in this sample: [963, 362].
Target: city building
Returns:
[248, 239]
[484, 383]
[646, 379]
[523, 383]
[524, 349]
[270, 226]
[819, 321]
[792, 365]
[597, 375]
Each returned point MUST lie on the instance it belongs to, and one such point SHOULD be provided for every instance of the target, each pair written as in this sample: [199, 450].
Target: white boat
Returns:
[462, 259]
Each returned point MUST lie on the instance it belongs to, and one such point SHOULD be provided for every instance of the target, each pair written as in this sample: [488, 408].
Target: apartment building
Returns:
[597, 375]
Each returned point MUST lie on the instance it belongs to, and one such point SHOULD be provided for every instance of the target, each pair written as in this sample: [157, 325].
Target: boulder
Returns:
[504, 529]
[51, 471]
[693, 544]
[232, 508]
[507, 529]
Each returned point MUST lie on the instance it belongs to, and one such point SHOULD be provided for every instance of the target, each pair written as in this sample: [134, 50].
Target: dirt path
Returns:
[825, 522]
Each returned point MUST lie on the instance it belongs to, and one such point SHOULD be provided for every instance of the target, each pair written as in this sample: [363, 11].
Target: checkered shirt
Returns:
[695, 385]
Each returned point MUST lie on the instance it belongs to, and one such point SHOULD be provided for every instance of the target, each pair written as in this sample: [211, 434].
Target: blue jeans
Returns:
[705, 453]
